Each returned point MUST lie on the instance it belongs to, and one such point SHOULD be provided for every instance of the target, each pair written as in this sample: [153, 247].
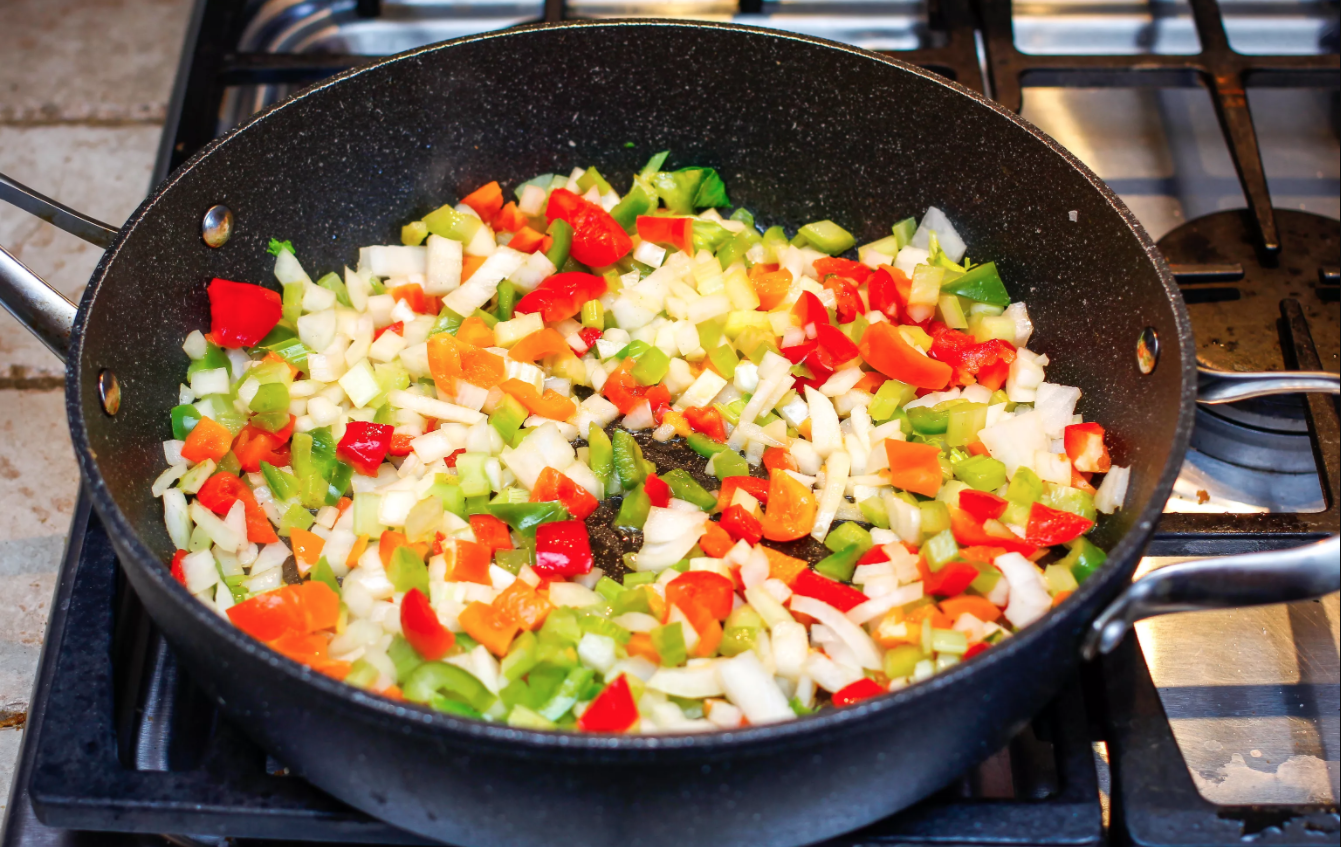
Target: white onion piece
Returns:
[749, 687]
[861, 645]
[1112, 493]
[1029, 598]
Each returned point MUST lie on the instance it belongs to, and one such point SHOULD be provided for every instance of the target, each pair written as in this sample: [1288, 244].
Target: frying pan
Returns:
[800, 129]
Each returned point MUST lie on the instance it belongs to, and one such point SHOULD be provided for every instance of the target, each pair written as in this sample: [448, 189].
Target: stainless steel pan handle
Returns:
[1252, 579]
[35, 304]
[1214, 387]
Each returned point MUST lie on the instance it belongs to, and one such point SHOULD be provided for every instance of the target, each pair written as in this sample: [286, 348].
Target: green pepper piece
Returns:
[683, 487]
[448, 322]
[565, 697]
[229, 464]
[704, 446]
[652, 366]
[729, 463]
[184, 419]
[447, 681]
[633, 350]
[525, 517]
[403, 656]
[592, 178]
[827, 237]
[338, 485]
[292, 351]
[669, 643]
[324, 573]
[562, 233]
[640, 200]
[840, 565]
[508, 416]
[213, 359]
[724, 360]
[653, 164]
[928, 421]
[1084, 559]
[628, 459]
[634, 510]
[847, 535]
[600, 454]
[281, 483]
[986, 579]
[407, 571]
[710, 236]
[507, 300]
[1068, 499]
[981, 283]
[273, 397]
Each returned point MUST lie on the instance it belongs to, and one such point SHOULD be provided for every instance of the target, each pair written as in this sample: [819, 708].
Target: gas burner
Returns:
[1233, 294]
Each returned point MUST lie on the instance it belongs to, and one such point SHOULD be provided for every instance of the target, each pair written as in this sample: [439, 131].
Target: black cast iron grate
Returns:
[122, 744]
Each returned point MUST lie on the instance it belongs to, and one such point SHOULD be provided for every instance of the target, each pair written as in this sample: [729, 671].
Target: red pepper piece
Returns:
[414, 297]
[597, 239]
[613, 710]
[242, 314]
[677, 232]
[975, 649]
[398, 328]
[873, 556]
[561, 296]
[1085, 447]
[971, 532]
[842, 597]
[740, 524]
[1048, 527]
[562, 549]
[832, 340]
[178, 572]
[778, 458]
[888, 289]
[365, 445]
[589, 335]
[855, 271]
[552, 485]
[953, 578]
[657, 491]
[810, 310]
[706, 420]
[422, 628]
[450, 461]
[752, 484]
[401, 444]
[847, 300]
[222, 490]
[254, 445]
[863, 689]
[983, 505]
[491, 532]
[659, 399]
[704, 591]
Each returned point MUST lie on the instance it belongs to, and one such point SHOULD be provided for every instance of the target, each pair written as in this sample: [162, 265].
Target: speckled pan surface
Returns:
[800, 129]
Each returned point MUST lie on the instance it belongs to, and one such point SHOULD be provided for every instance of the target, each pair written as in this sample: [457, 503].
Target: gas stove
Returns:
[1209, 728]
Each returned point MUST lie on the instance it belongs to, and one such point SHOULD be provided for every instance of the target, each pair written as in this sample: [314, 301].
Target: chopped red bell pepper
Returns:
[422, 628]
[659, 399]
[779, 458]
[401, 444]
[971, 532]
[1048, 527]
[752, 484]
[975, 649]
[178, 572]
[413, 295]
[888, 289]
[953, 578]
[254, 445]
[561, 296]
[450, 461]
[741, 525]
[863, 689]
[491, 532]
[873, 556]
[562, 548]
[706, 420]
[832, 265]
[809, 309]
[589, 335]
[989, 362]
[983, 505]
[613, 710]
[398, 328]
[677, 232]
[1085, 447]
[365, 445]
[847, 300]
[552, 485]
[597, 239]
[242, 314]
[657, 491]
[839, 347]
[705, 590]
[222, 490]
[842, 597]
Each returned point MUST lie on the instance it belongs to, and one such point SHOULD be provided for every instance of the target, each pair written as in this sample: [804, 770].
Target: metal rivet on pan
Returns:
[217, 226]
[1147, 350]
[109, 391]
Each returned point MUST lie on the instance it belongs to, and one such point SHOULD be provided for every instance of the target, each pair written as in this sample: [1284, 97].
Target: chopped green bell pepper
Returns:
[981, 283]
[448, 681]
[683, 487]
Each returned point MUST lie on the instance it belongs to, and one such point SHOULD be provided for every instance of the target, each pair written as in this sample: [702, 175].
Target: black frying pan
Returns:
[800, 129]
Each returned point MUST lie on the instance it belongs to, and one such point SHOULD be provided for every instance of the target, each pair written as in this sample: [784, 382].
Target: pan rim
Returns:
[369, 707]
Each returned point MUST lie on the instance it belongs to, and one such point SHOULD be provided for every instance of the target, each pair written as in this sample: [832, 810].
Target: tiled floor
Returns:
[84, 86]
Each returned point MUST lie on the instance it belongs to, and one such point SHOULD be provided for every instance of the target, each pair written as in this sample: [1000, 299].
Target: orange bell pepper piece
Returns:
[538, 345]
[980, 607]
[640, 644]
[470, 264]
[487, 200]
[474, 330]
[509, 219]
[451, 358]
[551, 404]
[783, 567]
[306, 545]
[885, 349]
[526, 240]
[772, 287]
[914, 467]
[791, 509]
[209, 440]
[715, 541]
[489, 626]
[414, 296]
[523, 604]
[467, 561]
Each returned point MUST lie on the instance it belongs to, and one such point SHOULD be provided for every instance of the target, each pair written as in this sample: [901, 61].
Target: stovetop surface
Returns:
[1251, 696]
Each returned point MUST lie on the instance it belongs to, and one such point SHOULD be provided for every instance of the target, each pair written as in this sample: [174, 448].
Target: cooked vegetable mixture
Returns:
[385, 474]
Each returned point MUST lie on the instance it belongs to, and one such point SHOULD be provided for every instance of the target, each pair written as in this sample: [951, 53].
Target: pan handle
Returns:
[1253, 579]
[1215, 387]
[42, 309]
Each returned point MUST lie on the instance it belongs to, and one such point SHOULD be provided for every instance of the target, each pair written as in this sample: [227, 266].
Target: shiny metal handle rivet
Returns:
[1147, 350]
[217, 226]
[109, 391]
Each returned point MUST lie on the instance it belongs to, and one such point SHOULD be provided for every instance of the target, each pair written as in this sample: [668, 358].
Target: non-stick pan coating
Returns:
[800, 130]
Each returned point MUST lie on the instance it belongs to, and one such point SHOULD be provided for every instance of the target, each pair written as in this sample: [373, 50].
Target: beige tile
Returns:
[101, 171]
[38, 474]
[89, 60]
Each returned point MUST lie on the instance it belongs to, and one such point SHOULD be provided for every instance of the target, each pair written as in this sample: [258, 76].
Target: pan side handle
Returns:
[1253, 579]
[39, 307]
[1215, 387]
